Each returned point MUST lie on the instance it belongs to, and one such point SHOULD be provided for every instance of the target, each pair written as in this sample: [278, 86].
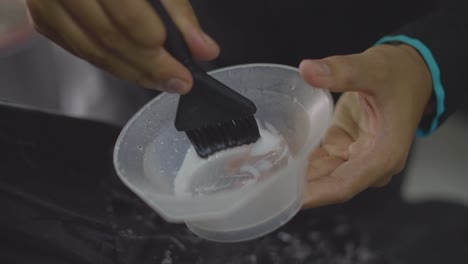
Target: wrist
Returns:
[436, 104]
[423, 74]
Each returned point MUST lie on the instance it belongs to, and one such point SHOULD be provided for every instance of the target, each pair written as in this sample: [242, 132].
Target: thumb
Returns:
[357, 72]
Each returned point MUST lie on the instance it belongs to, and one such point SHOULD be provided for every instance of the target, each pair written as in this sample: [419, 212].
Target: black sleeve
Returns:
[445, 34]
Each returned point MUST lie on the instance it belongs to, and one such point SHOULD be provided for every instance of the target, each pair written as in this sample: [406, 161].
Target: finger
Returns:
[157, 64]
[135, 19]
[143, 25]
[322, 192]
[357, 72]
[347, 180]
[200, 44]
[81, 44]
[318, 154]
[337, 141]
[334, 151]
[322, 167]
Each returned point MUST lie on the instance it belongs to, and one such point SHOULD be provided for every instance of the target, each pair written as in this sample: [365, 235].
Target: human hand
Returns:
[124, 37]
[385, 93]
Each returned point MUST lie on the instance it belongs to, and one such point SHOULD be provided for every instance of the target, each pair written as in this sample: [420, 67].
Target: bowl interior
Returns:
[150, 151]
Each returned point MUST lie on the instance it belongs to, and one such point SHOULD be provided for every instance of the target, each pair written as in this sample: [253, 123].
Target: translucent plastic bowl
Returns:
[149, 152]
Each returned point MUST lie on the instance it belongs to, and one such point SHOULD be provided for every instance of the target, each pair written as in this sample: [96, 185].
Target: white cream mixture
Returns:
[232, 168]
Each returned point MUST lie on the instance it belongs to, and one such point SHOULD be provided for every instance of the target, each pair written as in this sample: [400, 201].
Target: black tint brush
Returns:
[213, 116]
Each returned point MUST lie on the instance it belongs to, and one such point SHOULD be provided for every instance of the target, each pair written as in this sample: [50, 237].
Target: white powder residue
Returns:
[232, 168]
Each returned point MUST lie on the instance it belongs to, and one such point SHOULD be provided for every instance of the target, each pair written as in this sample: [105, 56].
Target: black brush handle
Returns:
[202, 106]
[175, 42]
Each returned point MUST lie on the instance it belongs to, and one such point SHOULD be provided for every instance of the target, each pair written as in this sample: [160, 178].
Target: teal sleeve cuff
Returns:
[439, 91]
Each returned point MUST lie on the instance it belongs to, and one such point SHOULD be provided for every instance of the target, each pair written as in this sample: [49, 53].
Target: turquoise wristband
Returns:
[435, 73]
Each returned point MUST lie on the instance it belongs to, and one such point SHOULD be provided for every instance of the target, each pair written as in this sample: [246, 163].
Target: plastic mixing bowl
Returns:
[149, 154]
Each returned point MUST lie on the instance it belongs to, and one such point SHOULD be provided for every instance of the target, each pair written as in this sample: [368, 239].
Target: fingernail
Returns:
[175, 85]
[320, 67]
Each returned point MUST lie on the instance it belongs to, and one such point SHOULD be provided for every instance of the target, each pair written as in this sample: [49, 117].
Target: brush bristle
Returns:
[221, 136]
